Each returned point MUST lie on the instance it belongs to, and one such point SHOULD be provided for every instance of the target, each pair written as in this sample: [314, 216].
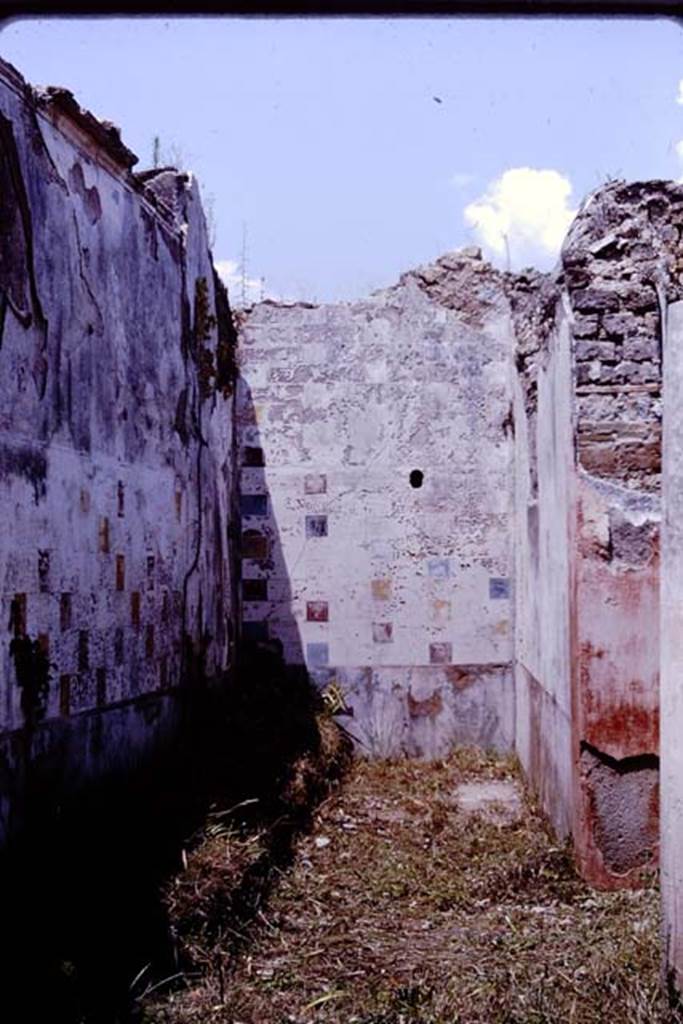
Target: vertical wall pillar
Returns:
[672, 649]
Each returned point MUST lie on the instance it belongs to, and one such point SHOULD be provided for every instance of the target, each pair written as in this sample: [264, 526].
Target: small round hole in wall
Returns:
[416, 478]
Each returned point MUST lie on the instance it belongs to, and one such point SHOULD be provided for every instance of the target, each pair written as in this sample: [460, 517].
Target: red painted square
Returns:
[317, 611]
[382, 632]
[315, 483]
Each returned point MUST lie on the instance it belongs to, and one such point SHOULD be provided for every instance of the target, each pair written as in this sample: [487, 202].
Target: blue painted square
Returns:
[254, 504]
[317, 654]
[499, 588]
[439, 568]
[255, 631]
[316, 526]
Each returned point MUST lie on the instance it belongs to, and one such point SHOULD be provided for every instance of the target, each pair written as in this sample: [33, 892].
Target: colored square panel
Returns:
[252, 456]
[315, 483]
[439, 568]
[441, 610]
[255, 631]
[499, 587]
[254, 544]
[65, 612]
[440, 654]
[317, 611]
[381, 549]
[101, 686]
[64, 695]
[316, 526]
[255, 590]
[382, 632]
[103, 535]
[381, 589]
[247, 412]
[18, 614]
[317, 654]
[254, 504]
[120, 572]
[44, 571]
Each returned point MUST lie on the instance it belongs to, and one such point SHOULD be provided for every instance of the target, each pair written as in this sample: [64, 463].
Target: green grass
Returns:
[413, 913]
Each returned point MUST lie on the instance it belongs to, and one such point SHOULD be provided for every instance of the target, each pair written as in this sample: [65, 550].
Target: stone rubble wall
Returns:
[115, 446]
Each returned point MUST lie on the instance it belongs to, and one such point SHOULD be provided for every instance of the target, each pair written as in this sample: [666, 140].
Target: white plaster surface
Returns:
[353, 398]
[671, 727]
[97, 486]
[543, 584]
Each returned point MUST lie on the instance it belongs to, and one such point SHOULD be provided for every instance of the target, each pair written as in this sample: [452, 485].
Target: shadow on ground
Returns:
[84, 928]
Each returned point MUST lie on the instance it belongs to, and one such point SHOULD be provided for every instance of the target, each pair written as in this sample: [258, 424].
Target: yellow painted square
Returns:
[381, 589]
[441, 610]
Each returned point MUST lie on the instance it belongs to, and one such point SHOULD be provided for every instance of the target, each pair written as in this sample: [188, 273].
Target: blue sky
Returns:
[323, 138]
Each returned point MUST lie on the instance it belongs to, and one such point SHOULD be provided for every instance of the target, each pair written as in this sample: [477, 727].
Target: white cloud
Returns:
[679, 153]
[679, 98]
[461, 178]
[240, 292]
[525, 211]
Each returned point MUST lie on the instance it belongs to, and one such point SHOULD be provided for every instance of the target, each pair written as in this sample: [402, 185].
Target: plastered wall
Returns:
[115, 447]
[544, 486]
[672, 652]
[400, 594]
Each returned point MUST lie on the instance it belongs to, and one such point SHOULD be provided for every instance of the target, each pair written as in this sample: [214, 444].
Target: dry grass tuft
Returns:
[399, 908]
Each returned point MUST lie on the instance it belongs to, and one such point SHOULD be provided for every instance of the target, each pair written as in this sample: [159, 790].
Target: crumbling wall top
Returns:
[463, 282]
[56, 100]
[625, 242]
[99, 139]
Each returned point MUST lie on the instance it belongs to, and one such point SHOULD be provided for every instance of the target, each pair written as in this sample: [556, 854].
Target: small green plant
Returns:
[204, 323]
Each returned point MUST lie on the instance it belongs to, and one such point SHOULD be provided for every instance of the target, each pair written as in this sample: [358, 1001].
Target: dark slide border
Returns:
[341, 8]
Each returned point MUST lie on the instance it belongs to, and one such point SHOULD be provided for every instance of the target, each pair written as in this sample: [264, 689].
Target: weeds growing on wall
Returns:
[204, 325]
[227, 367]
[216, 372]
